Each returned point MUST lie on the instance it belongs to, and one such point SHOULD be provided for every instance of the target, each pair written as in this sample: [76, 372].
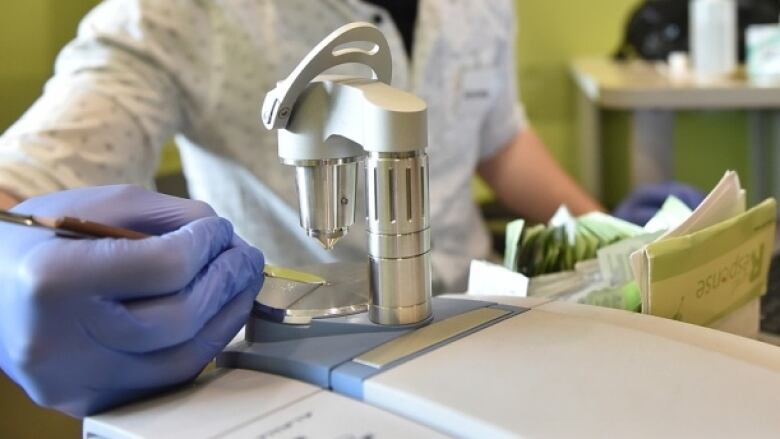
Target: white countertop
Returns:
[644, 85]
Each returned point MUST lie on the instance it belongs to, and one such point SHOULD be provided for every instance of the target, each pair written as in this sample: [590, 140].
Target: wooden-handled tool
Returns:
[70, 227]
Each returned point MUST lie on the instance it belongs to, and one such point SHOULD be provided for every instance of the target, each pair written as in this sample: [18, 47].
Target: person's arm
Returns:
[7, 200]
[133, 77]
[513, 160]
[528, 180]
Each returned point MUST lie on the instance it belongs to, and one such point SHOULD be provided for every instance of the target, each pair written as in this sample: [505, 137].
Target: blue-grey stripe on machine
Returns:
[322, 353]
[348, 378]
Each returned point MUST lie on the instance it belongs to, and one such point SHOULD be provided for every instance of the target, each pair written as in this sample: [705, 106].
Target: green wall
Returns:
[26, 55]
[551, 33]
[707, 143]
[31, 34]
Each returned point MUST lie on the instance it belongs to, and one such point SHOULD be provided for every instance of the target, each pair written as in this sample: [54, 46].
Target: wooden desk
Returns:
[652, 96]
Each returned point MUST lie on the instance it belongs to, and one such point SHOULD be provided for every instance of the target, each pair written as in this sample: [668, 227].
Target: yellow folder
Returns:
[701, 276]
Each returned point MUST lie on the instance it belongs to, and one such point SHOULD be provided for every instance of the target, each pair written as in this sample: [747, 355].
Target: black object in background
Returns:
[770, 303]
[404, 13]
[658, 27]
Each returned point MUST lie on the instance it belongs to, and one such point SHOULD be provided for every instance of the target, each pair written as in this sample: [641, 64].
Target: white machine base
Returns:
[558, 370]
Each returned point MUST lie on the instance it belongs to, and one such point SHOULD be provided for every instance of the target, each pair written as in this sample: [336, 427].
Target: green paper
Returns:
[514, 231]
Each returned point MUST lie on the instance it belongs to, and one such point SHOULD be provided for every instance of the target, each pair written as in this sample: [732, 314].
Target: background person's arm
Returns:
[136, 74]
[514, 161]
[7, 200]
[526, 178]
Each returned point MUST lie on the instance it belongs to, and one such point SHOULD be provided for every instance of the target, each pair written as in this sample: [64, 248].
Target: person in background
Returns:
[142, 71]
[86, 325]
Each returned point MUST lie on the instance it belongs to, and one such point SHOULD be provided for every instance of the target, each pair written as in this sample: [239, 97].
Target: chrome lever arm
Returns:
[329, 53]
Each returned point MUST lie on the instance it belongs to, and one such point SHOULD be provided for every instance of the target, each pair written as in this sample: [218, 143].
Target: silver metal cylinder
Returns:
[326, 197]
[398, 237]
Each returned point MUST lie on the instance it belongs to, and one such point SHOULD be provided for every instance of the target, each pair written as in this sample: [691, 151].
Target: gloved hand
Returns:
[640, 206]
[89, 324]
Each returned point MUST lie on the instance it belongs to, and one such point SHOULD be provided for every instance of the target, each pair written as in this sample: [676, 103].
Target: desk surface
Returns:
[639, 84]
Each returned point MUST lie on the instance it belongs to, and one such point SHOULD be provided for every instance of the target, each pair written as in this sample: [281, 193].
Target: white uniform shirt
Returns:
[141, 71]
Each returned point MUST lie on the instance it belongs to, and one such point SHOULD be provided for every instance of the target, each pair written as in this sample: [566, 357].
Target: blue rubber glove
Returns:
[89, 324]
[640, 206]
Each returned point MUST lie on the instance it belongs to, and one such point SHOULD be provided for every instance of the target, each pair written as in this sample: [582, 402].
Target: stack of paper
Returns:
[563, 242]
[713, 262]
[488, 279]
[597, 272]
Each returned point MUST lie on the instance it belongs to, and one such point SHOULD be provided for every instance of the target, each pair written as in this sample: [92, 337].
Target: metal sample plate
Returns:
[286, 301]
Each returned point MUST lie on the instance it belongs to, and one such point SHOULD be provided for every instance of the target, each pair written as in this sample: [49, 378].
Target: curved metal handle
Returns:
[278, 103]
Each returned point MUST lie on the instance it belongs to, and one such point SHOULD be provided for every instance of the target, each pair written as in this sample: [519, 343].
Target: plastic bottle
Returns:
[713, 38]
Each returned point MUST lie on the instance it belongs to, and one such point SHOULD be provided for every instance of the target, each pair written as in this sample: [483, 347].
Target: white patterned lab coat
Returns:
[141, 71]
